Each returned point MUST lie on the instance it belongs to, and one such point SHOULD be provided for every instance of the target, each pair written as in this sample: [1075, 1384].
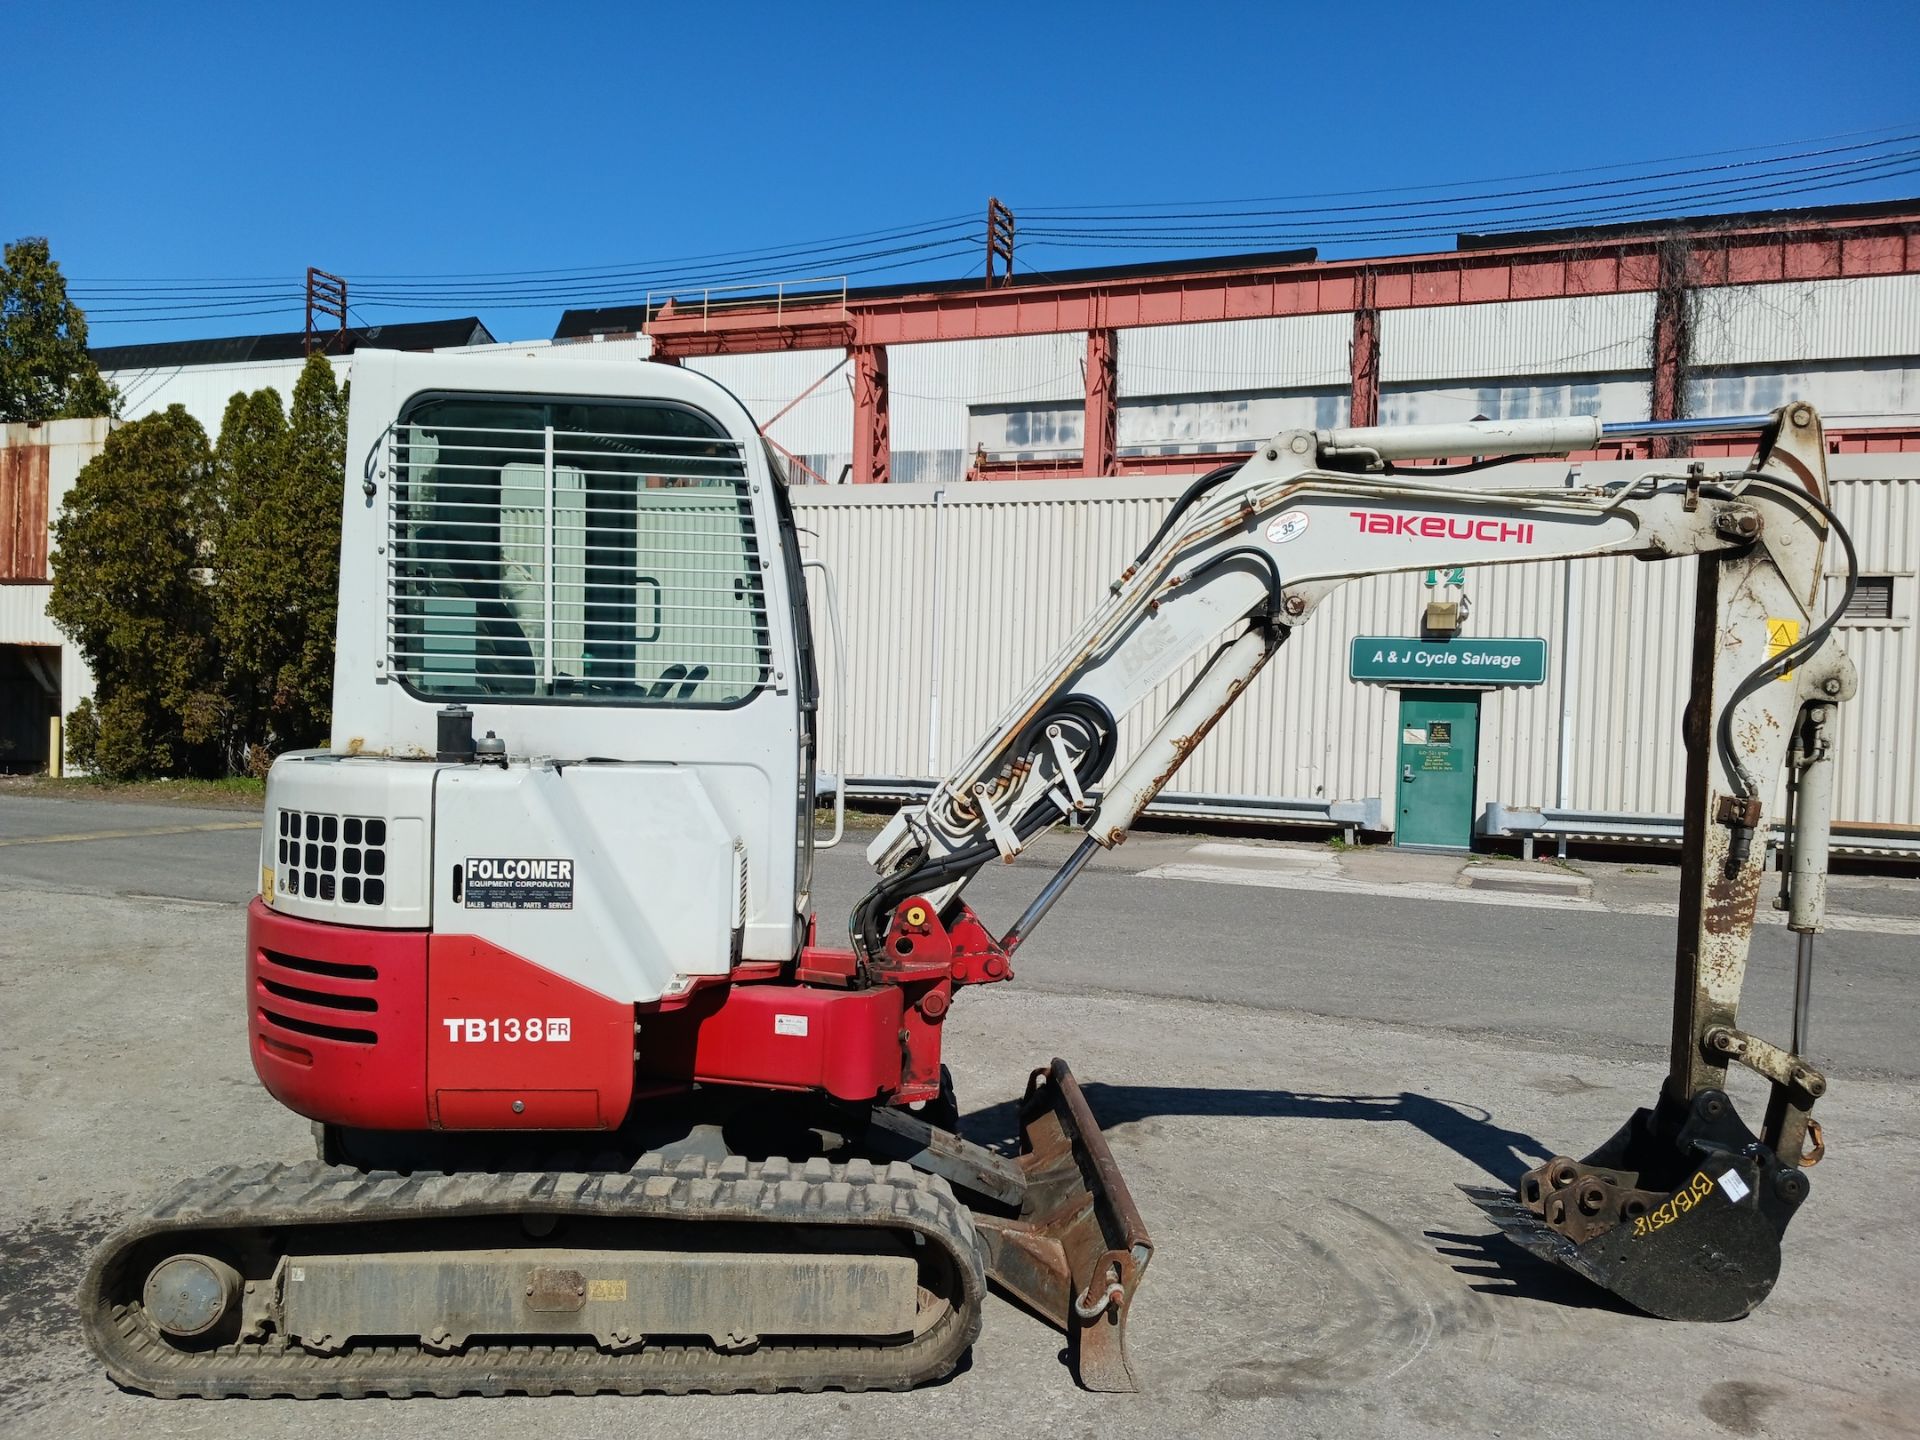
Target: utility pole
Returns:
[999, 241]
[326, 295]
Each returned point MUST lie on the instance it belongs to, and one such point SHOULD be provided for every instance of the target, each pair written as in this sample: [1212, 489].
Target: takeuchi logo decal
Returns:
[1444, 527]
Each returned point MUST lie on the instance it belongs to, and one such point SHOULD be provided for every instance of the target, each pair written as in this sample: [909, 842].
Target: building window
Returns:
[1872, 599]
[583, 551]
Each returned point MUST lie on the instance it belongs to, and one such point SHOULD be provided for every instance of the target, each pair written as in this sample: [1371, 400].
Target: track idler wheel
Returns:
[1679, 1214]
[193, 1300]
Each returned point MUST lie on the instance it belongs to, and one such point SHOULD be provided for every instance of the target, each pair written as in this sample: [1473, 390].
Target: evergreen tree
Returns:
[277, 563]
[245, 528]
[130, 590]
[316, 475]
[45, 371]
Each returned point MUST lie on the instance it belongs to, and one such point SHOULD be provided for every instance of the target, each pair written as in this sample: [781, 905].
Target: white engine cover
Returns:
[619, 877]
[345, 839]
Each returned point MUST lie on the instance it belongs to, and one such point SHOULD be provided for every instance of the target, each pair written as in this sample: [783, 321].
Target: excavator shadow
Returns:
[1488, 1262]
[1467, 1130]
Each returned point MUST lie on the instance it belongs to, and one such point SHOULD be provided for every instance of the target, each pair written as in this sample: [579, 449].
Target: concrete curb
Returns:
[1532, 881]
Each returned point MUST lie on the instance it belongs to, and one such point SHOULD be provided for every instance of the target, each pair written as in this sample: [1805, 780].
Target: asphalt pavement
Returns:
[1298, 1054]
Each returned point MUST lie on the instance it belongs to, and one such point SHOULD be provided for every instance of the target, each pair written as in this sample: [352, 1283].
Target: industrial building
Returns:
[1104, 390]
[42, 677]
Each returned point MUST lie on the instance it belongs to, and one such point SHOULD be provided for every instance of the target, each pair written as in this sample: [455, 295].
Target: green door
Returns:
[1439, 735]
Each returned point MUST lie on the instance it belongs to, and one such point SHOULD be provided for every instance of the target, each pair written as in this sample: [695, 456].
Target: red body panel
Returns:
[510, 1045]
[783, 1037]
[337, 1018]
[403, 1030]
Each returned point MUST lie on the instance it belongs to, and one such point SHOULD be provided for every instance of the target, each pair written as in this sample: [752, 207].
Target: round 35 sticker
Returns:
[1290, 526]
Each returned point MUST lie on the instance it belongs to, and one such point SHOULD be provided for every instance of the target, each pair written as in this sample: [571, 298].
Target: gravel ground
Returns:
[1317, 1272]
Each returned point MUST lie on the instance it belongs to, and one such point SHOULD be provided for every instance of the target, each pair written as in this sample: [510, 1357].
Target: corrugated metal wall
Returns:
[23, 512]
[205, 389]
[954, 596]
[820, 424]
[1862, 318]
[1574, 335]
[931, 387]
[1285, 352]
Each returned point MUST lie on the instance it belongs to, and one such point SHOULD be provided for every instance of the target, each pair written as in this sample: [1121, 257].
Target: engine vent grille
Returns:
[340, 859]
[316, 999]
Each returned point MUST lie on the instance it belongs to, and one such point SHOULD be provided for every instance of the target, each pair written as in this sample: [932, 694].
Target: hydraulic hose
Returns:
[1775, 666]
[1082, 711]
[1247, 552]
[1186, 501]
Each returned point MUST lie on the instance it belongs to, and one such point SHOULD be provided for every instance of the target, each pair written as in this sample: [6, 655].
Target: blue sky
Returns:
[229, 142]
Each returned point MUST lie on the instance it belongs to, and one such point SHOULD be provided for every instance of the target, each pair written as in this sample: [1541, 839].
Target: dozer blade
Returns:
[1076, 1251]
[1679, 1214]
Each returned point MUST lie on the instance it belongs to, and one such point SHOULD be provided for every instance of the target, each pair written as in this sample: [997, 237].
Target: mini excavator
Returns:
[597, 1108]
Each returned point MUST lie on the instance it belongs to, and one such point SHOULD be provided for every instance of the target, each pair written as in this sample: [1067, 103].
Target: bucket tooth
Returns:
[1679, 1214]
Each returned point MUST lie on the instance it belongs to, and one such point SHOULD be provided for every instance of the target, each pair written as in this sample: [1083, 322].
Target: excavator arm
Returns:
[1681, 1212]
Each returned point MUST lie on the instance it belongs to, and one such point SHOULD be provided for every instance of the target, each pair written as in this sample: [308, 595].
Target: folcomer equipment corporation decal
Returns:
[519, 885]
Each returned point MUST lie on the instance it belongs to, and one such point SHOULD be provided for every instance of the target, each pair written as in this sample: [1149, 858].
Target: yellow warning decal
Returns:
[606, 1289]
[1781, 634]
[266, 883]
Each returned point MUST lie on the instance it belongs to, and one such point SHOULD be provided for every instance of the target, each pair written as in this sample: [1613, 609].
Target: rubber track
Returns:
[263, 1197]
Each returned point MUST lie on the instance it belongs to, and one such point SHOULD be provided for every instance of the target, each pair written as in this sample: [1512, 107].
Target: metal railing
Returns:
[1558, 827]
[753, 295]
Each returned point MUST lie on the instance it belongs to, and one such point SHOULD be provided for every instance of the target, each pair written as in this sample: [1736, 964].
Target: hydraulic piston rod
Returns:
[1807, 869]
[1699, 425]
[1554, 436]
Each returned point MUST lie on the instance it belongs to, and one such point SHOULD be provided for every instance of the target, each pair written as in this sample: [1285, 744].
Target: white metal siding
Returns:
[1847, 392]
[1007, 570]
[205, 389]
[1575, 334]
[1278, 353]
[23, 616]
[1235, 422]
[931, 387]
[821, 424]
[878, 542]
[1611, 397]
[1867, 316]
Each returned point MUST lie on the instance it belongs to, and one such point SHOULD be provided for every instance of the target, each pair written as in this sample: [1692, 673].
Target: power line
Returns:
[636, 270]
[1631, 191]
[1495, 180]
[1892, 168]
[1477, 203]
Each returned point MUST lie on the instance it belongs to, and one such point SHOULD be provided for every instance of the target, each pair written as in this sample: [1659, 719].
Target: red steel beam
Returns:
[1363, 398]
[1818, 250]
[1671, 346]
[1100, 432]
[1893, 439]
[872, 453]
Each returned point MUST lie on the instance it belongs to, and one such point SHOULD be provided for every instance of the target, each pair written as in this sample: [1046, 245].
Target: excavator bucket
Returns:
[1076, 1251]
[1679, 1214]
